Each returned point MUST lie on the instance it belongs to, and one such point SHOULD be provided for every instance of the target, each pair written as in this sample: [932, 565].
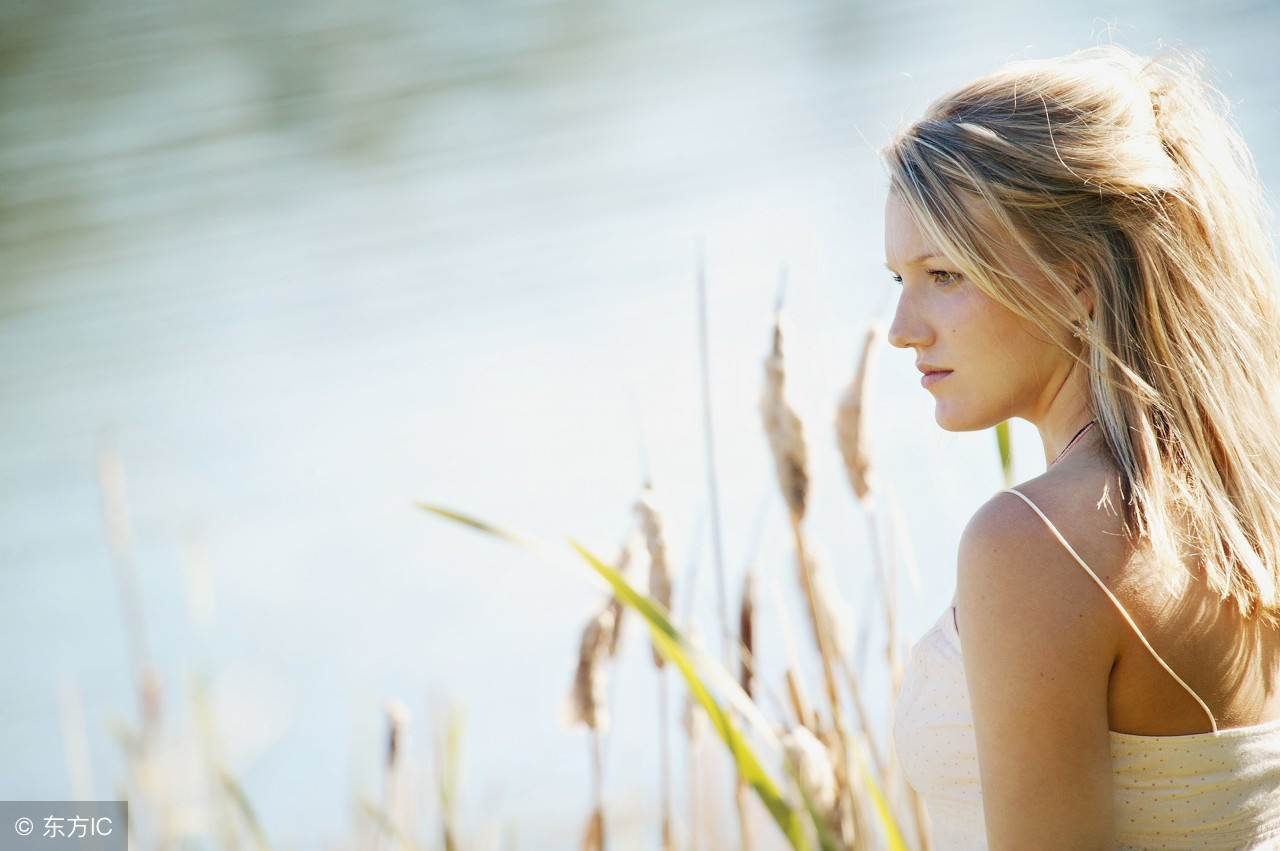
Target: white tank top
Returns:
[1214, 790]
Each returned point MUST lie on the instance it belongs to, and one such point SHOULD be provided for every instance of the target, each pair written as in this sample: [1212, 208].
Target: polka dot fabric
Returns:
[933, 735]
[1207, 791]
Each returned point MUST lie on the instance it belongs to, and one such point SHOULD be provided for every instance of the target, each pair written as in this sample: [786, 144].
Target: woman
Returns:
[1082, 243]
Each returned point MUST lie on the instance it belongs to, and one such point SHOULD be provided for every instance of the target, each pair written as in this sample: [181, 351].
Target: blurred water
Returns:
[302, 264]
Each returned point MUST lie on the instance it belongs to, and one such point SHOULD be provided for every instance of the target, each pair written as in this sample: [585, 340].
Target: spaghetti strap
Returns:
[1054, 529]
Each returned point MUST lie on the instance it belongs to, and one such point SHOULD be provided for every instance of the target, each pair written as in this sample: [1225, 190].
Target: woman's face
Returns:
[986, 363]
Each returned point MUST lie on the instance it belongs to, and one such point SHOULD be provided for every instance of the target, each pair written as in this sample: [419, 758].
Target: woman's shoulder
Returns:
[1038, 562]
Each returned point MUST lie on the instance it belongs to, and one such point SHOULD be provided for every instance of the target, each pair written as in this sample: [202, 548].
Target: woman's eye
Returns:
[897, 279]
[943, 278]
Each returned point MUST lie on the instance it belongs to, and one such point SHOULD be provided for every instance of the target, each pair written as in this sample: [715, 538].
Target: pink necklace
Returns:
[1073, 442]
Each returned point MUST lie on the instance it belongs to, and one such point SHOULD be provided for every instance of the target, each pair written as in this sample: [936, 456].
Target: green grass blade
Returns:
[725, 682]
[674, 648]
[480, 526]
[1005, 444]
[552, 555]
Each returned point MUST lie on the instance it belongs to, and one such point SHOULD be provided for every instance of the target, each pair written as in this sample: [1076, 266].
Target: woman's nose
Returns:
[908, 328]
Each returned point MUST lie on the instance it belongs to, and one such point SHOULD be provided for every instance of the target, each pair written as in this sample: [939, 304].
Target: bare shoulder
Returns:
[1016, 572]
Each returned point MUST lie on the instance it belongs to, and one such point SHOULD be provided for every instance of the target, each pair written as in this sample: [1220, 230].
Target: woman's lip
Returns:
[931, 378]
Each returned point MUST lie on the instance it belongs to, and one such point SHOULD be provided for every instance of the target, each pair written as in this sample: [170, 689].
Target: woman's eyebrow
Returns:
[919, 258]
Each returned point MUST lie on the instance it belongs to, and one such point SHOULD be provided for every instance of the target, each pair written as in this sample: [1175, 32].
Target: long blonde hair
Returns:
[1124, 177]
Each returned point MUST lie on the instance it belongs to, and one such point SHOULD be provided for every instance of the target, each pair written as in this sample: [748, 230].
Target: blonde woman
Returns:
[1082, 243]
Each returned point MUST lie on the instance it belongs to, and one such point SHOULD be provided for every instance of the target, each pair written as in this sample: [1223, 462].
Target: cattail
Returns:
[660, 572]
[588, 702]
[784, 428]
[747, 634]
[853, 417]
[814, 771]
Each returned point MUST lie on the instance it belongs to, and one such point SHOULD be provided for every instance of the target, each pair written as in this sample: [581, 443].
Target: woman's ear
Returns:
[1083, 291]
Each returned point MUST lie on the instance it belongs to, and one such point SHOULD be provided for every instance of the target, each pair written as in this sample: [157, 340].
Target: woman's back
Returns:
[1230, 662]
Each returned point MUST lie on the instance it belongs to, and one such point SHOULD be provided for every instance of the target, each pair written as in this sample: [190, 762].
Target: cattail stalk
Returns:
[785, 431]
[692, 731]
[664, 736]
[796, 691]
[709, 450]
[588, 705]
[853, 436]
[661, 580]
[594, 839]
[864, 717]
[826, 650]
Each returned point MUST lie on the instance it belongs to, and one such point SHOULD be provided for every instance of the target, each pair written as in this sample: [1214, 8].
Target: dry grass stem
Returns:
[835, 611]
[796, 690]
[827, 655]
[664, 732]
[785, 431]
[819, 622]
[853, 418]
[800, 702]
[694, 721]
[593, 840]
[709, 454]
[864, 717]
[784, 427]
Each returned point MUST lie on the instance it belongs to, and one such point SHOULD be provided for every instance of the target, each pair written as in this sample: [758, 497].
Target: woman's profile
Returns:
[1083, 243]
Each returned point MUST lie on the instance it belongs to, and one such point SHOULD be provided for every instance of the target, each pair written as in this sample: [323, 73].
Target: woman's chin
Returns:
[951, 420]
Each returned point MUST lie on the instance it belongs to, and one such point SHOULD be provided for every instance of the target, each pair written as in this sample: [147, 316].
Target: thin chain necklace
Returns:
[1073, 442]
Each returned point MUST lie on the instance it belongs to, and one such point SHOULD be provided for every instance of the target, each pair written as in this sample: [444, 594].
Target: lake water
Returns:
[302, 265]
